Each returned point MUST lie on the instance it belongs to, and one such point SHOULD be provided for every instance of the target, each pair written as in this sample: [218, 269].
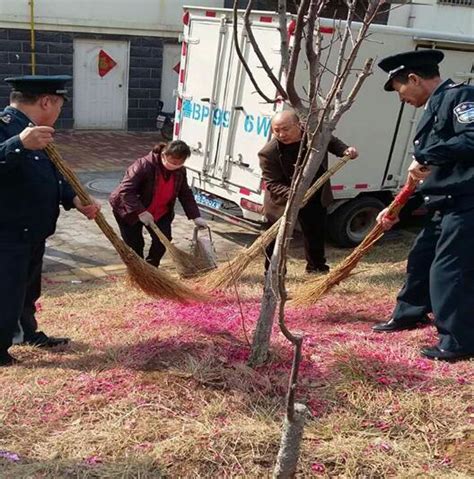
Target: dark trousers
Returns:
[312, 219]
[133, 236]
[20, 287]
[440, 279]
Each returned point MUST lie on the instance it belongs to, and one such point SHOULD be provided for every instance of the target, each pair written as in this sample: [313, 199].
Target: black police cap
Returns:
[40, 84]
[395, 64]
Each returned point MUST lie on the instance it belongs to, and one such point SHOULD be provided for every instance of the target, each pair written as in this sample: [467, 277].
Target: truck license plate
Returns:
[207, 201]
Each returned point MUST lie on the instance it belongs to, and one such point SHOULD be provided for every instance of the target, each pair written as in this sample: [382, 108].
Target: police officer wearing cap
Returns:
[440, 269]
[31, 191]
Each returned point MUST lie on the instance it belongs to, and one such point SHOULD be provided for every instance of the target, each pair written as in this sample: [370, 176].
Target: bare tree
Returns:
[319, 111]
[320, 115]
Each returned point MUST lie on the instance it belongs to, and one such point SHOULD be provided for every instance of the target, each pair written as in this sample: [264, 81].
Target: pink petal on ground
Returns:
[10, 456]
[318, 467]
[93, 460]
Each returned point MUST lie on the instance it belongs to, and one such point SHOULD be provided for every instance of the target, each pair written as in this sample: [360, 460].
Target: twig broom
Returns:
[313, 290]
[227, 274]
[142, 275]
[186, 264]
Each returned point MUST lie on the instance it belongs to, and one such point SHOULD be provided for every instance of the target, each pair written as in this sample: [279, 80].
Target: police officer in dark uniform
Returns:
[440, 269]
[31, 190]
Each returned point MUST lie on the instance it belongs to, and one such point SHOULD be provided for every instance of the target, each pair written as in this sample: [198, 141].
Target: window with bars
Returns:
[458, 3]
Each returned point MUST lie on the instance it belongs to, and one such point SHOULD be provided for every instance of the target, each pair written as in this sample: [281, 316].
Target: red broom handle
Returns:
[401, 199]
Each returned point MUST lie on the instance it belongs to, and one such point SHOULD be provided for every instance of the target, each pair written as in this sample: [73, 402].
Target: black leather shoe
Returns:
[6, 359]
[392, 325]
[435, 352]
[322, 269]
[40, 340]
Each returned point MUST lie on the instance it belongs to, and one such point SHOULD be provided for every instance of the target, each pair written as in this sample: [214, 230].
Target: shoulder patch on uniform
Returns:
[6, 118]
[455, 85]
[465, 112]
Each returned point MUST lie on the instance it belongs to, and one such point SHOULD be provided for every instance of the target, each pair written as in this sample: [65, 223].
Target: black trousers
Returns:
[312, 219]
[133, 237]
[21, 262]
[440, 279]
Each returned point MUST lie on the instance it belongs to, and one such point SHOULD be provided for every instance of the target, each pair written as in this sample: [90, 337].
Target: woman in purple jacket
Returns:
[147, 195]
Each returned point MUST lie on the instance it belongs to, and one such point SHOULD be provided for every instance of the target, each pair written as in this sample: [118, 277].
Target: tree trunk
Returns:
[262, 334]
[263, 330]
[287, 459]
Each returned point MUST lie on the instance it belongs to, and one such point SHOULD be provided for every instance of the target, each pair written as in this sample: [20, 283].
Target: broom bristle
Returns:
[228, 274]
[157, 283]
[315, 289]
[186, 264]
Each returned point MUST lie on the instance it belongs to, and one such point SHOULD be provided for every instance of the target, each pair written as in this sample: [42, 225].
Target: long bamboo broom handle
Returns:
[233, 270]
[83, 195]
[161, 236]
[313, 290]
[323, 178]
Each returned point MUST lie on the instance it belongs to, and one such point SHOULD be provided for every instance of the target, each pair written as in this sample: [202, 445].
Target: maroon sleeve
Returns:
[186, 198]
[131, 186]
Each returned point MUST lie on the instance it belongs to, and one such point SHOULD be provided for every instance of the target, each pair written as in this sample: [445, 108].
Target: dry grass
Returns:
[153, 389]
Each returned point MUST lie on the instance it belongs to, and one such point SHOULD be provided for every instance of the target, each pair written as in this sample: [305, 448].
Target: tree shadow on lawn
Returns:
[219, 362]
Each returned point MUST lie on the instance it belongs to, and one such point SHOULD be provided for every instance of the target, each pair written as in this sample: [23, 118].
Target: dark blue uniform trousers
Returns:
[20, 286]
[440, 279]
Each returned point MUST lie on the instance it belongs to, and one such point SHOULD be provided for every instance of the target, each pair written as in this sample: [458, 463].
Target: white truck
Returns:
[226, 122]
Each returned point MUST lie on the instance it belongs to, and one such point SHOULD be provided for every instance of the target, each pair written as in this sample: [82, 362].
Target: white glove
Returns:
[201, 223]
[146, 218]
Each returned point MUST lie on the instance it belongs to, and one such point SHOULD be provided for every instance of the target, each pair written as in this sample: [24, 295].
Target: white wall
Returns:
[145, 17]
[434, 16]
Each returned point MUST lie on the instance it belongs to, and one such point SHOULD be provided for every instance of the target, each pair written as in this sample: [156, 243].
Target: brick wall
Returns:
[54, 56]
[144, 88]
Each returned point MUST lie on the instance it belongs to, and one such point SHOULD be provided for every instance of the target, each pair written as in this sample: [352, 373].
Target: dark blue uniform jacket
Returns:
[444, 141]
[31, 188]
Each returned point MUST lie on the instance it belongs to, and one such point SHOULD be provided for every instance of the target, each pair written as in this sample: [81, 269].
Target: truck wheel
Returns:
[351, 222]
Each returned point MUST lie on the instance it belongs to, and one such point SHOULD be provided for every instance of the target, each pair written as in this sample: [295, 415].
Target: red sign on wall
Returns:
[106, 63]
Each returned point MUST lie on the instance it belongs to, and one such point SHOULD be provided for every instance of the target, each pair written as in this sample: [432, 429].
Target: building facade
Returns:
[124, 56]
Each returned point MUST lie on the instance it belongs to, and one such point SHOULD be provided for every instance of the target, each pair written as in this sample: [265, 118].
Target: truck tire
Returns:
[351, 222]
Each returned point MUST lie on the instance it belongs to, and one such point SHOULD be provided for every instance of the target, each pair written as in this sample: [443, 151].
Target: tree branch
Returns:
[345, 105]
[259, 54]
[351, 4]
[290, 84]
[244, 62]
[284, 43]
[313, 60]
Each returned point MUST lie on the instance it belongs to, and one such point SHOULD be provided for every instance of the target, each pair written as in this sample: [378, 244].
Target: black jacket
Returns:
[31, 188]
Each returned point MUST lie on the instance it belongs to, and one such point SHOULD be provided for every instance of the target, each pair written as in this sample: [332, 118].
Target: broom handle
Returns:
[402, 197]
[69, 174]
[84, 196]
[161, 235]
[323, 178]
